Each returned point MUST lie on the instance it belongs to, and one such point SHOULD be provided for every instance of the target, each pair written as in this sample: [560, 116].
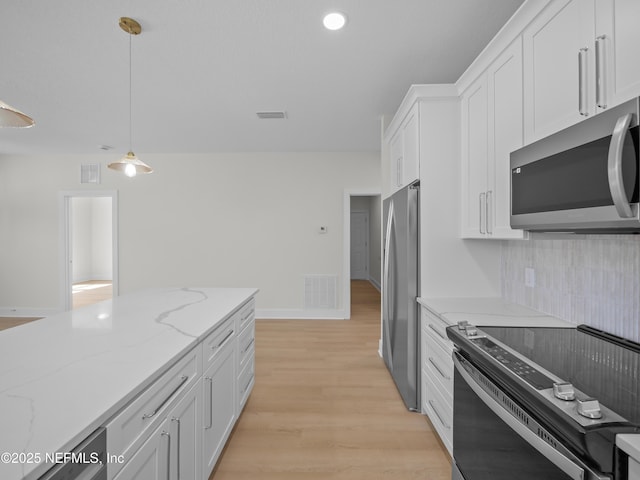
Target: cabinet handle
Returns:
[246, 349]
[247, 385]
[437, 331]
[166, 434]
[481, 201]
[177, 421]
[582, 75]
[435, 365]
[183, 380]
[600, 80]
[488, 218]
[209, 409]
[435, 410]
[223, 341]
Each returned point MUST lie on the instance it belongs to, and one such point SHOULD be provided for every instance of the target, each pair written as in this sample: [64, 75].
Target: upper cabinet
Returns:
[617, 40]
[491, 129]
[578, 61]
[404, 151]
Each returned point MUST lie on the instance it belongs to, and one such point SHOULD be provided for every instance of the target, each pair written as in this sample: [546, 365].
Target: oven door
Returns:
[494, 438]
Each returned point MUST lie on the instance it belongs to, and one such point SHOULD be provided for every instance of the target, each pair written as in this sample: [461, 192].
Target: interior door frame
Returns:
[66, 273]
[346, 245]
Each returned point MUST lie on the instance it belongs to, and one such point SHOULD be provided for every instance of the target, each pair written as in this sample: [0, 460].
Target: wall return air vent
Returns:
[271, 115]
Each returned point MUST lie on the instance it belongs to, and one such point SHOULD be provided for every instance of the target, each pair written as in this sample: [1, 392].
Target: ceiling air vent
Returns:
[271, 115]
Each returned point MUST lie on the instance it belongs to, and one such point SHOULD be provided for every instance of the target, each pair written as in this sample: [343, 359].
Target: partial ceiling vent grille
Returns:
[320, 291]
[271, 115]
[90, 173]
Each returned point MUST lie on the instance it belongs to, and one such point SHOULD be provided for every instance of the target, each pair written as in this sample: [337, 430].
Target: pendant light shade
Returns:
[130, 165]
[10, 117]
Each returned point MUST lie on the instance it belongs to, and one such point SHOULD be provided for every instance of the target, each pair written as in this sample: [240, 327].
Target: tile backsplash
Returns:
[590, 279]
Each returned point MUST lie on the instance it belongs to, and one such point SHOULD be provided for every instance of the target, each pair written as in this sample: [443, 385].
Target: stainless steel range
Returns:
[542, 402]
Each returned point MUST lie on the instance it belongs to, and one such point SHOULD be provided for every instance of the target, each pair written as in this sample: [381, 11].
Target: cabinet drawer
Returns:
[434, 325]
[247, 314]
[246, 379]
[439, 362]
[217, 340]
[246, 344]
[128, 430]
[439, 409]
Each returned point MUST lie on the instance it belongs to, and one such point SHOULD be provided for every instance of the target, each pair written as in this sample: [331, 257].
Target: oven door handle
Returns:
[565, 464]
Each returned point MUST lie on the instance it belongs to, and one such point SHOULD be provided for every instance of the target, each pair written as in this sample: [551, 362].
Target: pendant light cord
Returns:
[130, 98]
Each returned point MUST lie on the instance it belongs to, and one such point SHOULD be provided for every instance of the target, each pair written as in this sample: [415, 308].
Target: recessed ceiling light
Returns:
[334, 21]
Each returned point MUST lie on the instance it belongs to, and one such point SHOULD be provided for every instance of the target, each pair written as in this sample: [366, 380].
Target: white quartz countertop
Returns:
[630, 444]
[65, 375]
[489, 311]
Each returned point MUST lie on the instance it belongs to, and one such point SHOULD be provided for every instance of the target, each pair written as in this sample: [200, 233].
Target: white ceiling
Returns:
[203, 68]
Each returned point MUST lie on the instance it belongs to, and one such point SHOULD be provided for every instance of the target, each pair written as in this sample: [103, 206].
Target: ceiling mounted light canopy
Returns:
[10, 117]
[334, 21]
[130, 165]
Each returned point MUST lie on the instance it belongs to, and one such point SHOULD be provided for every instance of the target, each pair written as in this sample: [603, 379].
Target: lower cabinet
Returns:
[437, 376]
[177, 428]
[172, 450]
[219, 406]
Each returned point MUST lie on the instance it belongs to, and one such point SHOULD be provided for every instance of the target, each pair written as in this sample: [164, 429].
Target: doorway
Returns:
[362, 241]
[89, 256]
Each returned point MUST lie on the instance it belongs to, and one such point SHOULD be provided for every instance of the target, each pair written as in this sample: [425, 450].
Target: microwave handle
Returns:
[614, 166]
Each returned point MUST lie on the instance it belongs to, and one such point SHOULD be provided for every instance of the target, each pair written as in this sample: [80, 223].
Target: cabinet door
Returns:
[474, 155]
[616, 44]
[219, 393]
[395, 164]
[186, 430]
[152, 460]
[557, 92]
[411, 147]
[505, 136]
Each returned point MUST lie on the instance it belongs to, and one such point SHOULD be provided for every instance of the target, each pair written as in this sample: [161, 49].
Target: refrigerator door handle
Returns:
[387, 296]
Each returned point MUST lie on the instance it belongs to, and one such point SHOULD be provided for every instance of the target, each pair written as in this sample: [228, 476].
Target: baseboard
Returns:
[375, 283]
[299, 314]
[28, 312]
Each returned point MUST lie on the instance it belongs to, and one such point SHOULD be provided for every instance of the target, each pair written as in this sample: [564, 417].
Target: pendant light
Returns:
[130, 165]
[10, 117]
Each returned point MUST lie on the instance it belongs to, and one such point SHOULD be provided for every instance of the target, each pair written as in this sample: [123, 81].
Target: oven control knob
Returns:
[471, 331]
[590, 408]
[564, 391]
[462, 325]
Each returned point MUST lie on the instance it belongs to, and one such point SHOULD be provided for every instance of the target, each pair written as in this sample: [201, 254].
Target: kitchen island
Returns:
[64, 376]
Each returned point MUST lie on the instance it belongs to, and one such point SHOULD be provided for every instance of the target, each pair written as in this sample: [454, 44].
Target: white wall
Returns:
[91, 238]
[241, 219]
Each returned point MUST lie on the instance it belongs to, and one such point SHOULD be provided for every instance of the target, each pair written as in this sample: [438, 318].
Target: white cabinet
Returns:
[616, 46]
[634, 469]
[151, 460]
[437, 376]
[172, 450]
[559, 70]
[580, 57]
[491, 130]
[404, 151]
[219, 413]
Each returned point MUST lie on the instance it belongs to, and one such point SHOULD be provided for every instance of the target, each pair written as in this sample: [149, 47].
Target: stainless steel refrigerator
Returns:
[400, 287]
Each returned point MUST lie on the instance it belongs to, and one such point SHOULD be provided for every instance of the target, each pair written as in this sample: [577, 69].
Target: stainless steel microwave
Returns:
[581, 179]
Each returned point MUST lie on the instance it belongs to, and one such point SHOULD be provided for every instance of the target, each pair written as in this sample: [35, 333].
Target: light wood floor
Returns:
[324, 407]
[83, 294]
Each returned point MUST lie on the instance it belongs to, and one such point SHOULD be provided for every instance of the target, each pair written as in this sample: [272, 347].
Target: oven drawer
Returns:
[439, 407]
[216, 340]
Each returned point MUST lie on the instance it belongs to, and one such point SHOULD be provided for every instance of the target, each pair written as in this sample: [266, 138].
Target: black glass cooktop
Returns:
[603, 369]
